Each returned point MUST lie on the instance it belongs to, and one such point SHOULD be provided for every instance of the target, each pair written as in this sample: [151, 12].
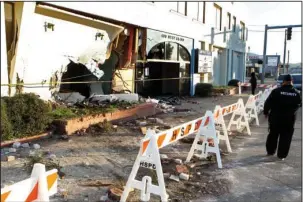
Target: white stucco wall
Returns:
[159, 17]
[40, 54]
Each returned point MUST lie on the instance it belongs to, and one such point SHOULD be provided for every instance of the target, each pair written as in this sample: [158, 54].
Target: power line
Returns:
[251, 30]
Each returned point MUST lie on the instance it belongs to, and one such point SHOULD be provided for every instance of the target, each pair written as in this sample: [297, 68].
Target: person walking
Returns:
[281, 107]
[253, 82]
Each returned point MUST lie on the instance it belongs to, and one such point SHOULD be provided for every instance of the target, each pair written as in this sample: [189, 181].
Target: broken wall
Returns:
[42, 52]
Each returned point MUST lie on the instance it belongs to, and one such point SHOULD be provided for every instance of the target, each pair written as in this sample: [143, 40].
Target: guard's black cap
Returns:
[287, 77]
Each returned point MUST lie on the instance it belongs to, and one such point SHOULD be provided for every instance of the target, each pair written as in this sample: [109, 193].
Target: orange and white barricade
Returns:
[253, 108]
[149, 156]
[237, 109]
[221, 128]
[206, 131]
[39, 187]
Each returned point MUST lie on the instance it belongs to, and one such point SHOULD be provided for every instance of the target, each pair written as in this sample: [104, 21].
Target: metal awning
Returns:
[73, 16]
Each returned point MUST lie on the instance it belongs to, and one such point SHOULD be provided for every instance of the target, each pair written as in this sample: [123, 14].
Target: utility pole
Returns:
[288, 61]
[265, 44]
[284, 55]
[264, 55]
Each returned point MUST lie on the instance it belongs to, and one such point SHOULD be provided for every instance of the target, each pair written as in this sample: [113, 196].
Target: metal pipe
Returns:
[284, 56]
[264, 54]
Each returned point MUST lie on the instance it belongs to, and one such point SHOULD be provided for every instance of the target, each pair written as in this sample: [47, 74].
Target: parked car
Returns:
[297, 81]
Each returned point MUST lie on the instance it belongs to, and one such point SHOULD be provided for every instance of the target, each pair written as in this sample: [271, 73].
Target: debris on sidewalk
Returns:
[96, 183]
[143, 130]
[115, 194]
[7, 158]
[16, 145]
[184, 176]
[181, 169]
[178, 161]
[175, 178]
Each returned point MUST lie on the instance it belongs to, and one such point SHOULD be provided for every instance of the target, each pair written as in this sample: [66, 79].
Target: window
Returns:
[218, 17]
[201, 11]
[202, 45]
[228, 21]
[242, 30]
[234, 23]
[193, 10]
[181, 7]
[169, 51]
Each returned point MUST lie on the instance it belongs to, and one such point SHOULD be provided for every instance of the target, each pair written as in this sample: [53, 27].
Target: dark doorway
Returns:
[170, 77]
[152, 73]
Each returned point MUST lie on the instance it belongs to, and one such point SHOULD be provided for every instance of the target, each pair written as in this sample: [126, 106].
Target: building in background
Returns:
[255, 62]
[144, 47]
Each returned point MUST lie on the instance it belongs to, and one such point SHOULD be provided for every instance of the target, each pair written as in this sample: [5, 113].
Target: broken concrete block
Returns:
[141, 123]
[115, 126]
[175, 178]
[71, 97]
[184, 176]
[163, 156]
[191, 165]
[131, 97]
[143, 130]
[25, 145]
[7, 158]
[166, 175]
[36, 146]
[115, 194]
[159, 121]
[16, 145]
[181, 169]
[178, 161]
[12, 150]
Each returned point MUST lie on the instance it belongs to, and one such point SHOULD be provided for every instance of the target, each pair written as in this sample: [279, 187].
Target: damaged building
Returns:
[76, 49]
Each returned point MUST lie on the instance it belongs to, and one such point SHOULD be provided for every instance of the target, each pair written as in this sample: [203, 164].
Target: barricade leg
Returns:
[208, 131]
[194, 147]
[151, 161]
[241, 110]
[39, 171]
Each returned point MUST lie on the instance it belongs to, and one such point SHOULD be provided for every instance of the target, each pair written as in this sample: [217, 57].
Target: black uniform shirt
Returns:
[282, 104]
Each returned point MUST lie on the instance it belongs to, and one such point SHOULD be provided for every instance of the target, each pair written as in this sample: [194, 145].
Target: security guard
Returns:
[281, 107]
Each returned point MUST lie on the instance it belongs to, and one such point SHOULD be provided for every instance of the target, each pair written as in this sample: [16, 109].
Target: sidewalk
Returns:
[256, 177]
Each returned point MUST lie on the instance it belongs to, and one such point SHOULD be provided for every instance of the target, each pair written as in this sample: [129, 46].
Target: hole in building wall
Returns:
[80, 77]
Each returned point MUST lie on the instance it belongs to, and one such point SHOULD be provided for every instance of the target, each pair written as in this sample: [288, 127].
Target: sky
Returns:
[274, 13]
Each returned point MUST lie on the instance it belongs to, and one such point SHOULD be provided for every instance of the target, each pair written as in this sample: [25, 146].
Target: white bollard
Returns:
[39, 172]
[239, 84]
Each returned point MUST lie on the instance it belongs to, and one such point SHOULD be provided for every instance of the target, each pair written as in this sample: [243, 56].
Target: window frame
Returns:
[234, 23]
[185, 8]
[218, 8]
[242, 24]
[228, 20]
[203, 11]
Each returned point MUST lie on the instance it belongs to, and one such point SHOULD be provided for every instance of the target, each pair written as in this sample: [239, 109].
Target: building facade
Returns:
[152, 44]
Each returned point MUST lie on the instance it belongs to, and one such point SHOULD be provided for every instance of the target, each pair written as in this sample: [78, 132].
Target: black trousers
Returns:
[283, 133]
[253, 88]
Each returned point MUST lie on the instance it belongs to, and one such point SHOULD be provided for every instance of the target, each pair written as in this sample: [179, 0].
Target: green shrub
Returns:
[6, 127]
[28, 114]
[203, 89]
[62, 113]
